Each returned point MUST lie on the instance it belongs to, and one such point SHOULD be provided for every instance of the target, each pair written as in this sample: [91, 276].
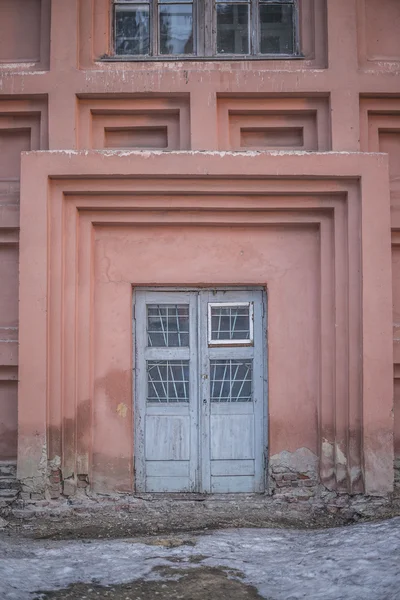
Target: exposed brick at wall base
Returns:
[294, 475]
[293, 486]
[67, 487]
[293, 478]
[330, 507]
[57, 488]
[54, 490]
[9, 486]
[397, 473]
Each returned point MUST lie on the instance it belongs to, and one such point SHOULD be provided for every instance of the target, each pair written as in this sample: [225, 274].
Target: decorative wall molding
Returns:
[257, 122]
[201, 190]
[139, 122]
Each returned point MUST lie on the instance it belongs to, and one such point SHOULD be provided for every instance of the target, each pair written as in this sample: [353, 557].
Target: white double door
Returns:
[200, 391]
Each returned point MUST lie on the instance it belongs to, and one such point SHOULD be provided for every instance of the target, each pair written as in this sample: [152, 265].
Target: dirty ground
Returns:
[356, 562]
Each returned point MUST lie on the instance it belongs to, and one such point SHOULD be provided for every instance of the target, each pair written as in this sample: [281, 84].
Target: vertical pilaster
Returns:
[64, 35]
[63, 64]
[343, 66]
[203, 119]
[62, 119]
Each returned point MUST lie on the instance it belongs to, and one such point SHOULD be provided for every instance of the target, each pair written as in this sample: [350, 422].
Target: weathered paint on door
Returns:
[200, 390]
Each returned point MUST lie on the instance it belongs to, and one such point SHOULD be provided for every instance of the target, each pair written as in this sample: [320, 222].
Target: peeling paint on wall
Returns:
[294, 474]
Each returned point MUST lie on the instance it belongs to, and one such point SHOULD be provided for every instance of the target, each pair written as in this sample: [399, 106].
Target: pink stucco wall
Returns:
[316, 234]
[300, 236]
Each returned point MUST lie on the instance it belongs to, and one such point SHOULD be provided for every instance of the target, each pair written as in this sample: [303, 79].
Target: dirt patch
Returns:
[200, 583]
[158, 519]
[84, 518]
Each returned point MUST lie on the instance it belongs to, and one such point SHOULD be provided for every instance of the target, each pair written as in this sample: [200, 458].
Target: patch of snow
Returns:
[359, 562]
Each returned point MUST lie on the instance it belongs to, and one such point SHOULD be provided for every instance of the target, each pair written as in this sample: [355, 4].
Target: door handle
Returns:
[204, 400]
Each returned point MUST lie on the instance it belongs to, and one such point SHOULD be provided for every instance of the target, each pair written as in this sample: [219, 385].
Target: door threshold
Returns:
[199, 497]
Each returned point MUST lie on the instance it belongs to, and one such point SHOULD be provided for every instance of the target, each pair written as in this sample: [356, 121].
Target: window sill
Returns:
[192, 58]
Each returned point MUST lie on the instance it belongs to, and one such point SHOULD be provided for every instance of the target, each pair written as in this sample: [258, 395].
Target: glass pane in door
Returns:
[167, 325]
[167, 381]
[231, 380]
[230, 323]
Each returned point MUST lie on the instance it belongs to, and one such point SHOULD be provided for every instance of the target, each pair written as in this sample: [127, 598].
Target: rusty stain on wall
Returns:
[122, 410]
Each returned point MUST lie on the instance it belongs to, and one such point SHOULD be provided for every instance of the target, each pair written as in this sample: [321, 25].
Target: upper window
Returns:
[145, 28]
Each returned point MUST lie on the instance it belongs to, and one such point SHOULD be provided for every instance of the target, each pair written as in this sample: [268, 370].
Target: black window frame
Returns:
[205, 31]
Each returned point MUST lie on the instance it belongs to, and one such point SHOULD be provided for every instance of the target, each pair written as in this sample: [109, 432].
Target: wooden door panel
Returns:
[231, 485]
[167, 437]
[231, 467]
[232, 437]
[217, 396]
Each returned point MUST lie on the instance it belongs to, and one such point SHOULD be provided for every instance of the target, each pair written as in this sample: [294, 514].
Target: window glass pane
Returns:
[276, 29]
[176, 28]
[230, 323]
[167, 325]
[132, 29]
[168, 381]
[232, 28]
[231, 380]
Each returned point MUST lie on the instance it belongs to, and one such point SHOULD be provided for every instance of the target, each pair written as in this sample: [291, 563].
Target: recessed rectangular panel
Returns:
[233, 484]
[136, 137]
[271, 137]
[232, 437]
[389, 141]
[274, 123]
[167, 438]
[232, 467]
[20, 30]
[9, 194]
[236, 408]
[163, 468]
[12, 143]
[167, 484]
[8, 286]
[382, 29]
[8, 420]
